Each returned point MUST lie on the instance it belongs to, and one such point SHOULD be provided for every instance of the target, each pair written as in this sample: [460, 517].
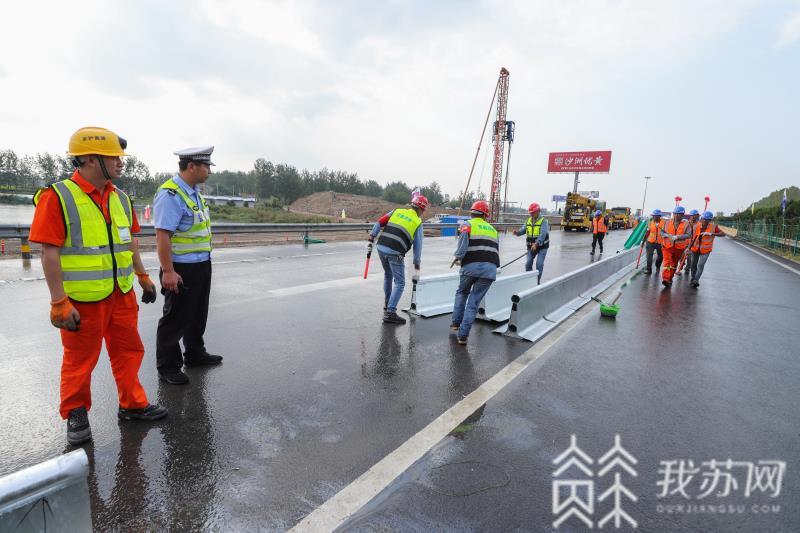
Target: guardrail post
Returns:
[25, 249]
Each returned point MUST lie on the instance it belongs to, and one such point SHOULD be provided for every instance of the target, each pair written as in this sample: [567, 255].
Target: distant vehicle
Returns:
[621, 218]
[578, 212]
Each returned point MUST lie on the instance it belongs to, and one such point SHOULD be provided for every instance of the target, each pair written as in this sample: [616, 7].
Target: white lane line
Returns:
[768, 258]
[311, 287]
[353, 497]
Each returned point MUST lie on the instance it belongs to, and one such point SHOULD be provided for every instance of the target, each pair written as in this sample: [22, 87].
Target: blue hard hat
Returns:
[694, 212]
[679, 210]
[656, 213]
[598, 213]
[708, 215]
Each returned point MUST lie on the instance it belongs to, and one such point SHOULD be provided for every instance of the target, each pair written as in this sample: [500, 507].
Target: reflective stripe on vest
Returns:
[88, 260]
[703, 243]
[599, 225]
[198, 237]
[398, 234]
[654, 235]
[670, 228]
[483, 245]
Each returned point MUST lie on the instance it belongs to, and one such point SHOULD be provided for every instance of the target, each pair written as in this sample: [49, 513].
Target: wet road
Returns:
[680, 375]
[313, 391]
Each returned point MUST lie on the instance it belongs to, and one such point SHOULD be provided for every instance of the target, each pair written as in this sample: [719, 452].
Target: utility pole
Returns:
[646, 179]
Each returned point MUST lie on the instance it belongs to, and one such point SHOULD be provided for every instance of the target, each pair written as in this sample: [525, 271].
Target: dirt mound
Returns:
[357, 208]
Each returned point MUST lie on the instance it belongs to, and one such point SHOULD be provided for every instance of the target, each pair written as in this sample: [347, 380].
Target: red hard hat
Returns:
[481, 206]
[533, 207]
[420, 201]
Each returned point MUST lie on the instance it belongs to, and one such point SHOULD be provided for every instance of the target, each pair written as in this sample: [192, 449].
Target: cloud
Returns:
[790, 31]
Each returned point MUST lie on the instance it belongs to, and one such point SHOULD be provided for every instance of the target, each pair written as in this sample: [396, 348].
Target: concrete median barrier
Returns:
[536, 311]
[50, 496]
[496, 305]
[434, 295]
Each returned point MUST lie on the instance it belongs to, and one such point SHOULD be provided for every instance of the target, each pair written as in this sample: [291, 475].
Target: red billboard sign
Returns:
[579, 161]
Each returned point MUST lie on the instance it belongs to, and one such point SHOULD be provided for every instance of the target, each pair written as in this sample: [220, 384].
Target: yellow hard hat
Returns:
[95, 140]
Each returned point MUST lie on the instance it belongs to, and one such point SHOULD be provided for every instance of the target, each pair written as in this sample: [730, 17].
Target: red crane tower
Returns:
[499, 138]
[503, 131]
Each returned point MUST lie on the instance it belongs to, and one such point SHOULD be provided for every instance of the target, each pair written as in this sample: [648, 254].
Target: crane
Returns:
[503, 132]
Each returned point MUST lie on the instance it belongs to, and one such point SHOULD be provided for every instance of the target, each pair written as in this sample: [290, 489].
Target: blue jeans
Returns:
[468, 296]
[539, 255]
[394, 270]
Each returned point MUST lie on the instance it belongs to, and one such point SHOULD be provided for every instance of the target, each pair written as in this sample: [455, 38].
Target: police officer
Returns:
[478, 253]
[183, 240]
[537, 238]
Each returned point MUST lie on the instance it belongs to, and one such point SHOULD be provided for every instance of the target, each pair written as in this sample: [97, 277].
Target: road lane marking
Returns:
[768, 258]
[311, 287]
[335, 511]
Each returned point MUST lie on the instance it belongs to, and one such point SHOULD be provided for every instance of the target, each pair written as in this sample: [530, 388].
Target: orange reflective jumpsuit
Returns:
[673, 250]
[114, 319]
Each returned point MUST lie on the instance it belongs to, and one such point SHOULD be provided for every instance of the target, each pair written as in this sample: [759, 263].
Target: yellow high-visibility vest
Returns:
[95, 253]
[398, 234]
[198, 237]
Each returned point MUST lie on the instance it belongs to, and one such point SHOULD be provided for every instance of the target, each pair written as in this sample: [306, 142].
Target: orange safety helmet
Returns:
[481, 206]
[533, 207]
[420, 201]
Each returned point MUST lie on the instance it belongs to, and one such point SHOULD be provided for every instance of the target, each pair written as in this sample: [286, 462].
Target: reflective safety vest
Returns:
[533, 230]
[483, 244]
[599, 225]
[670, 228]
[654, 235]
[198, 237]
[703, 243]
[95, 253]
[398, 234]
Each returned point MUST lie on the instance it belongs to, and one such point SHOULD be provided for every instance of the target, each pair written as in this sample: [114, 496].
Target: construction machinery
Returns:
[503, 133]
[621, 218]
[578, 212]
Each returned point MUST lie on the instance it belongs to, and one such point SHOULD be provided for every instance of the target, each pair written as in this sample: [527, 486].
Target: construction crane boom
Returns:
[499, 145]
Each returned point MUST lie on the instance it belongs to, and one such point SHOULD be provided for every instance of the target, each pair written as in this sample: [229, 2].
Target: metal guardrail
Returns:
[50, 496]
[537, 311]
[434, 295]
[496, 305]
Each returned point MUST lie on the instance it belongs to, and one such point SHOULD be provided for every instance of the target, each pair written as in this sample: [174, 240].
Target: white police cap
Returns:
[200, 154]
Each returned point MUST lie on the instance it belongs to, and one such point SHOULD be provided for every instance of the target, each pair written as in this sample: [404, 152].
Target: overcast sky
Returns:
[701, 95]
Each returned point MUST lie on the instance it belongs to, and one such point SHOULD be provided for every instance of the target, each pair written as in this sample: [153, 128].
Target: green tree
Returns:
[433, 193]
[397, 192]
[373, 188]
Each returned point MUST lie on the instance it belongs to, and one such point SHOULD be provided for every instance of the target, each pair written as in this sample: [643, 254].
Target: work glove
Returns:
[148, 288]
[415, 277]
[63, 315]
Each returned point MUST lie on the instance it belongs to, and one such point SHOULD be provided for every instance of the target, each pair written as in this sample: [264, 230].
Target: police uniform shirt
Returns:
[171, 213]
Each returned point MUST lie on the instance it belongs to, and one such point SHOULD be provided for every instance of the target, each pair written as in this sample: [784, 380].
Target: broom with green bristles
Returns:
[610, 309]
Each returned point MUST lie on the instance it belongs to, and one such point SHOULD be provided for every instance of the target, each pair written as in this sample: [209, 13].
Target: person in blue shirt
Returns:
[183, 240]
[537, 238]
[402, 230]
[478, 253]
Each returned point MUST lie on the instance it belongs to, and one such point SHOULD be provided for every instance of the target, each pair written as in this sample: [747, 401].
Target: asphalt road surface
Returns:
[315, 390]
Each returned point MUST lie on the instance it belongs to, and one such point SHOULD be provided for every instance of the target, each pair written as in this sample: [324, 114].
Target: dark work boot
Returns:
[202, 360]
[454, 326]
[173, 378]
[151, 412]
[78, 430]
[391, 317]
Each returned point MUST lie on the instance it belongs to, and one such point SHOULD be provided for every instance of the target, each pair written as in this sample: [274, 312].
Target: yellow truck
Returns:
[578, 213]
[621, 218]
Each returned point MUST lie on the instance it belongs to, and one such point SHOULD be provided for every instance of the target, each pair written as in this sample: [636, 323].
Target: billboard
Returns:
[559, 198]
[590, 194]
[579, 161]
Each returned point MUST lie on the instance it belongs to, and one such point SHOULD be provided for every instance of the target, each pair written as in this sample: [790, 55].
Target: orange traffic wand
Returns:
[366, 266]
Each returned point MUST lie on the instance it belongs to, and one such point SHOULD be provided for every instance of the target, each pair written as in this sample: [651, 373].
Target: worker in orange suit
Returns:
[652, 238]
[89, 256]
[675, 237]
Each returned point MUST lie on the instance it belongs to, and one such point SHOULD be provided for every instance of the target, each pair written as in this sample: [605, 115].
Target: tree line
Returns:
[274, 184]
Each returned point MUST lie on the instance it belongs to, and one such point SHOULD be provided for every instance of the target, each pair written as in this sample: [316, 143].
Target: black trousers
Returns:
[185, 317]
[597, 238]
[654, 247]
